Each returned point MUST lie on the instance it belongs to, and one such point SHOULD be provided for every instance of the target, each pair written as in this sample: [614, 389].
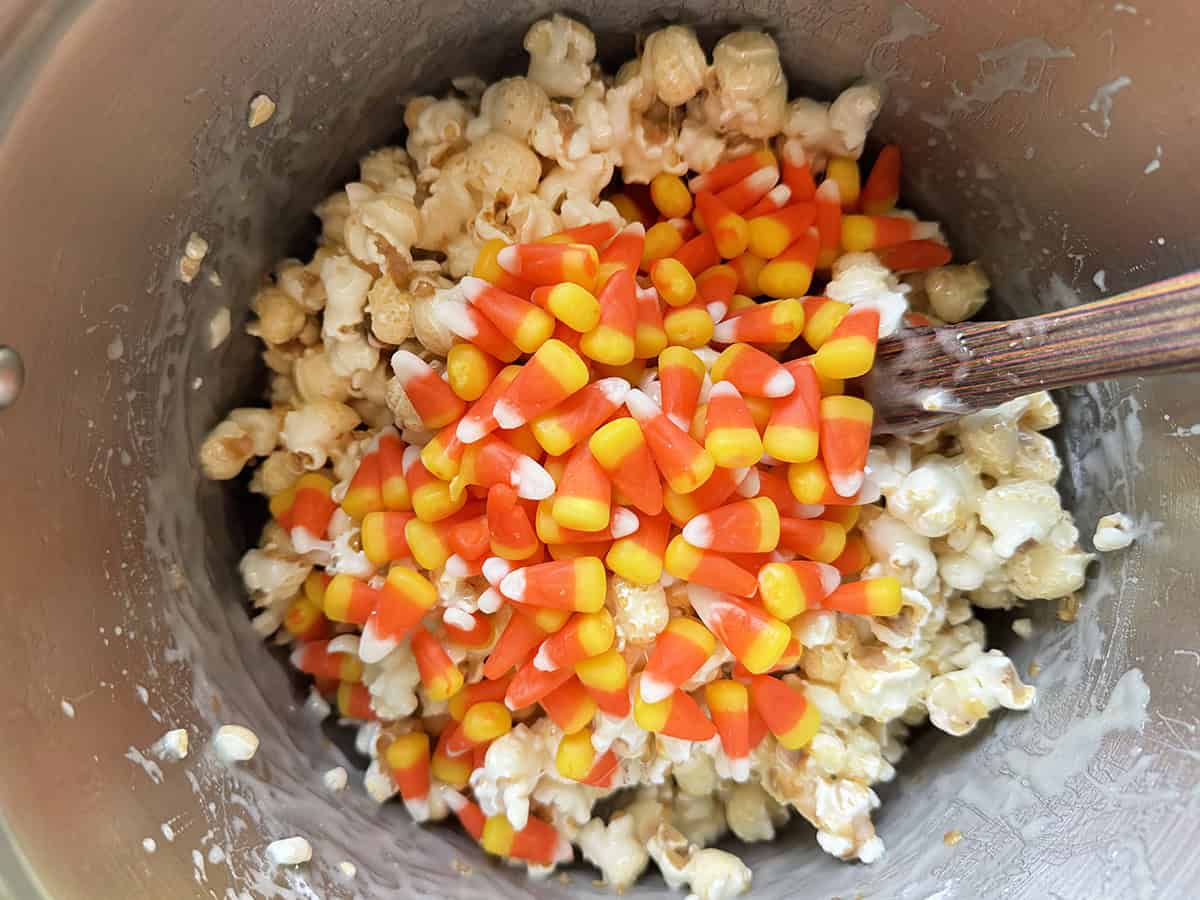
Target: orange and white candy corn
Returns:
[525, 632]
[354, 702]
[679, 651]
[785, 710]
[494, 461]
[311, 508]
[597, 234]
[553, 374]
[670, 195]
[810, 484]
[403, 600]
[746, 193]
[487, 268]
[472, 631]
[440, 677]
[869, 597]
[882, 189]
[650, 336]
[697, 254]
[777, 322]
[850, 350]
[483, 721]
[729, 708]
[365, 493]
[575, 584]
[383, 537]
[791, 272]
[773, 233]
[455, 771]
[429, 542]
[745, 526]
[622, 522]
[728, 173]
[391, 471]
[704, 567]
[583, 500]
[612, 340]
[621, 451]
[408, 759]
[844, 172]
[793, 430]
[675, 284]
[678, 716]
[510, 533]
[442, 456]
[756, 638]
[681, 374]
[432, 499]
[472, 325]
[577, 418]
[522, 322]
[624, 252]
[775, 199]
[578, 760]
[729, 431]
[584, 635]
[729, 230]
[813, 539]
[914, 256]
[313, 658]
[796, 171]
[430, 396]
[752, 372]
[874, 232]
[719, 487]
[845, 439]
[638, 557]
[683, 463]
[538, 842]
[829, 222]
[479, 692]
[789, 588]
[606, 678]
[689, 326]
[822, 316]
[551, 263]
[569, 705]
[349, 599]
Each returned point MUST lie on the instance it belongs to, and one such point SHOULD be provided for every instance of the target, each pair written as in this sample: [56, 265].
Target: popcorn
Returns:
[614, 849]
[381, 228]
[751, 813]
[436, 130]
[225, 451]
[312, 430]
[906, 553]
[271, 577]
[711, 874]
[936, 496]
[511, 769]
[393, 683]
[860, 279]
[1113, 532]
[956, 293]
[280, 318]
[561, 51]
[674, 63]
[957, 701]
[881, 683]
[746, 87]
[1018, 512]
[511, 106]
[1046, 572]
[640, 612]
[837, 129]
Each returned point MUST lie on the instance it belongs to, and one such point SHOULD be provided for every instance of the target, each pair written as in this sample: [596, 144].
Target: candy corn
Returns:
[729, 231]
[750, 190]
[383, 537]
[487, 268]
[405, 597]
[729, 708]
[522, 322]
[483, 721]
[650, 336]
[822, 316]
[553, 374]
[777, 322]
[745, 526]
[793, 429]
[689, 326]
[583, 500]
[869, 597]
[718, 488]
[754, 637]
[872, 232]
[752, 372]
[354, 702]
[440, 677]
[882, 189]
[843, 171]
[621, 451]
[729, 431]
[365, 493]
[790, 273]
[795, 170]
[855, 556]
[392, 485]
[914, 256]
[407, 758]
[431, 397]
[775, 199]
[670, 195]
[579, 416]
[538, 842]
[569, 705]
[432, 499]
[551, 263]
[788, 589]
[698, 254]
[845, 438]
[623, 252]
[510, 533]
[748, 266]
[679, 651]
[348, 599]
[728, 173]
[597, 234]
[850, 350]
[574, 306]
[683, 463]
[606, 678]
[304, 620]
[479, 692]
[469, 370]
[829, 222]
[473, 326]
[771, 234]
[678, 716]
[812, 538]
[789, 716]
[703, 567]
[454, 771]
[313, 658]
[681, 374]
[576, 584]
[662, 240]
[584, 635]
[674, 283]
[611, 340]
[309, 508]
[639, 557]
[577, 760]
[520, 639]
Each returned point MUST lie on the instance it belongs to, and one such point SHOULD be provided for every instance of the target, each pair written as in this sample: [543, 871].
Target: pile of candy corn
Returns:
[618, 404]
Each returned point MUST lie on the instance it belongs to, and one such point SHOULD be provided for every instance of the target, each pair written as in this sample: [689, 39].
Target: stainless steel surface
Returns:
[128, 133]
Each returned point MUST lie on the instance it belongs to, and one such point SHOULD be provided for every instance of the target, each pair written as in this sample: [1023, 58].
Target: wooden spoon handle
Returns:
[927, 375]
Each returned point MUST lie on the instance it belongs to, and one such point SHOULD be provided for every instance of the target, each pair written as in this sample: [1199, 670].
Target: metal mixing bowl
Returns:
[1055, 141]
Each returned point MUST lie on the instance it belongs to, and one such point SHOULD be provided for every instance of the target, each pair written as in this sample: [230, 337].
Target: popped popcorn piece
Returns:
[280, 318]
[700, 819]
[1036, 458]
[1113, 532]
[235, 743]
[315, 378]
[218, 327]
[1023, 628]
[674, 63]
[436, 130]
[262, 108]
[260, 425]
[1018, 512]
[512, 766]
[560, 51]
[499, 165]
[393, 683]
[639, 611]
[312, 430]
[291, 851]
[1046, 572]
[381, 228]
[752, 814]
[938, 495]
[347, 868]
[511, 106]
[428, 326]
[956, 293]
[272, 577]
[697, 776]
[837, 129]
[225, 451]
[746, 87]
[860, 279]
[906, 553]
[379, 784]
[957, 701]
[194, 252]
[614, 849]
[335, 779]
[881, 683]
[710, 874]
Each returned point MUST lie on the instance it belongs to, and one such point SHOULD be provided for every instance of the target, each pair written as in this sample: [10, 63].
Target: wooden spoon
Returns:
[925, 376]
